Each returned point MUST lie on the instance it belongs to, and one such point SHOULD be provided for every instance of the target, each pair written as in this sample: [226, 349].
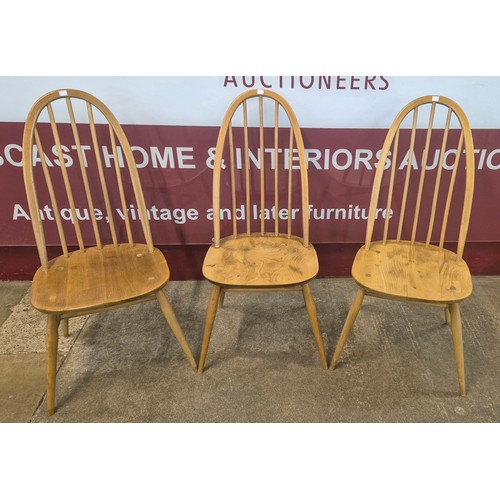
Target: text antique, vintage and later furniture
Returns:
[425, 173]
[260, 203]
[89, 183]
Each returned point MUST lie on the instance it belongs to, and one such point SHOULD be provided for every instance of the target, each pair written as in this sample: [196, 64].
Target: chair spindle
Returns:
[247, 167]
[438, 178]
[408, 173]
[450, 191]
[84, 172]
[262, 164]
[290, 169]
[233, 180]
[422, 173]
[120, 185]
[67, 185]
[391, 185]
[276, 197]
[53, 198]
[102, 179]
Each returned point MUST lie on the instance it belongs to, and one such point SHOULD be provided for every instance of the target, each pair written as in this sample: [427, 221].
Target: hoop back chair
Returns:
[256, 175]
[436, 179]
[76, 156]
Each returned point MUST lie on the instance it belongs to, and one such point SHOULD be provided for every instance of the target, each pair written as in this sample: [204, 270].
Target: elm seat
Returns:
[92, 278]
[412, 272]
[261, 261]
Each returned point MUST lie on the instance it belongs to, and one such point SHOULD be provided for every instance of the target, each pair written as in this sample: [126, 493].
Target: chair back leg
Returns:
[65, 327]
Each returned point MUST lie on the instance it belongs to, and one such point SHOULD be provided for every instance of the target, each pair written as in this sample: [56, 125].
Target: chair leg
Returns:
[313, 317]
[351, 318]
[221, 298]
[65, 327]
[447, 316]
[209, 323]
[456, 331]
[51, 341]
[169, 314]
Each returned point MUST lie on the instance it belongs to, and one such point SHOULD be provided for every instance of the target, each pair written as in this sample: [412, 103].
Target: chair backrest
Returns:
[260, 143]
[69, 135]
[429, 154]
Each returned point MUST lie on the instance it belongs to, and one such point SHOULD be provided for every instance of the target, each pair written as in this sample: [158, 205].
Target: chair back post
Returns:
[469, 180]
[29, 181]
[34, 209]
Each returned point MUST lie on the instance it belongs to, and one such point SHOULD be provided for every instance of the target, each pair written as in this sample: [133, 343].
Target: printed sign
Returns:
[172, 124]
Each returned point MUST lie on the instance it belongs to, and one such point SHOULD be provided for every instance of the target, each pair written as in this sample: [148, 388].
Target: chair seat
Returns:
[92, 278]
[412, 272]
[260, 261]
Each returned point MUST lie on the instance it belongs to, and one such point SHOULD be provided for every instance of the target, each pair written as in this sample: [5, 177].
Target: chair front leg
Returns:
[171, 318]
[209, 323]
[349, 322]
[456, 332]
[51, 342]
[313, 317]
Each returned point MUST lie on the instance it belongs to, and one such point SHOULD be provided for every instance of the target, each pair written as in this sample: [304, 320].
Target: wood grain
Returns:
[412, 272]
[95, 278]
[260, 260]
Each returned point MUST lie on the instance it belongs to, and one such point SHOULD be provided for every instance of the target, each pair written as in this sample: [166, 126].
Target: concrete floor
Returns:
[262, 365]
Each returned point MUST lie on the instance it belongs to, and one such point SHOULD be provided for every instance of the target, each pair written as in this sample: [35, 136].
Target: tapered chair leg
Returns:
[51, 341]
[313, 317]
[351, 318]
[456, 331]
[221, 298]
[447, 316]
[209, 324]
[169, 314]
[65, 327]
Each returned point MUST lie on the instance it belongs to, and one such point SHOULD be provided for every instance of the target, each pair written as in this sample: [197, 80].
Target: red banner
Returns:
[175, 164]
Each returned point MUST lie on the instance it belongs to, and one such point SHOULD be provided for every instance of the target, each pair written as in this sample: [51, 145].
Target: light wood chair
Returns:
[258, 141]
[85, 196]
[410, 213]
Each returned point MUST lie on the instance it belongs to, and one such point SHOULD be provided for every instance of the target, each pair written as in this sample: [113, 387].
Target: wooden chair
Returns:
[81, 180]
[258, 141]
[409, 262]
